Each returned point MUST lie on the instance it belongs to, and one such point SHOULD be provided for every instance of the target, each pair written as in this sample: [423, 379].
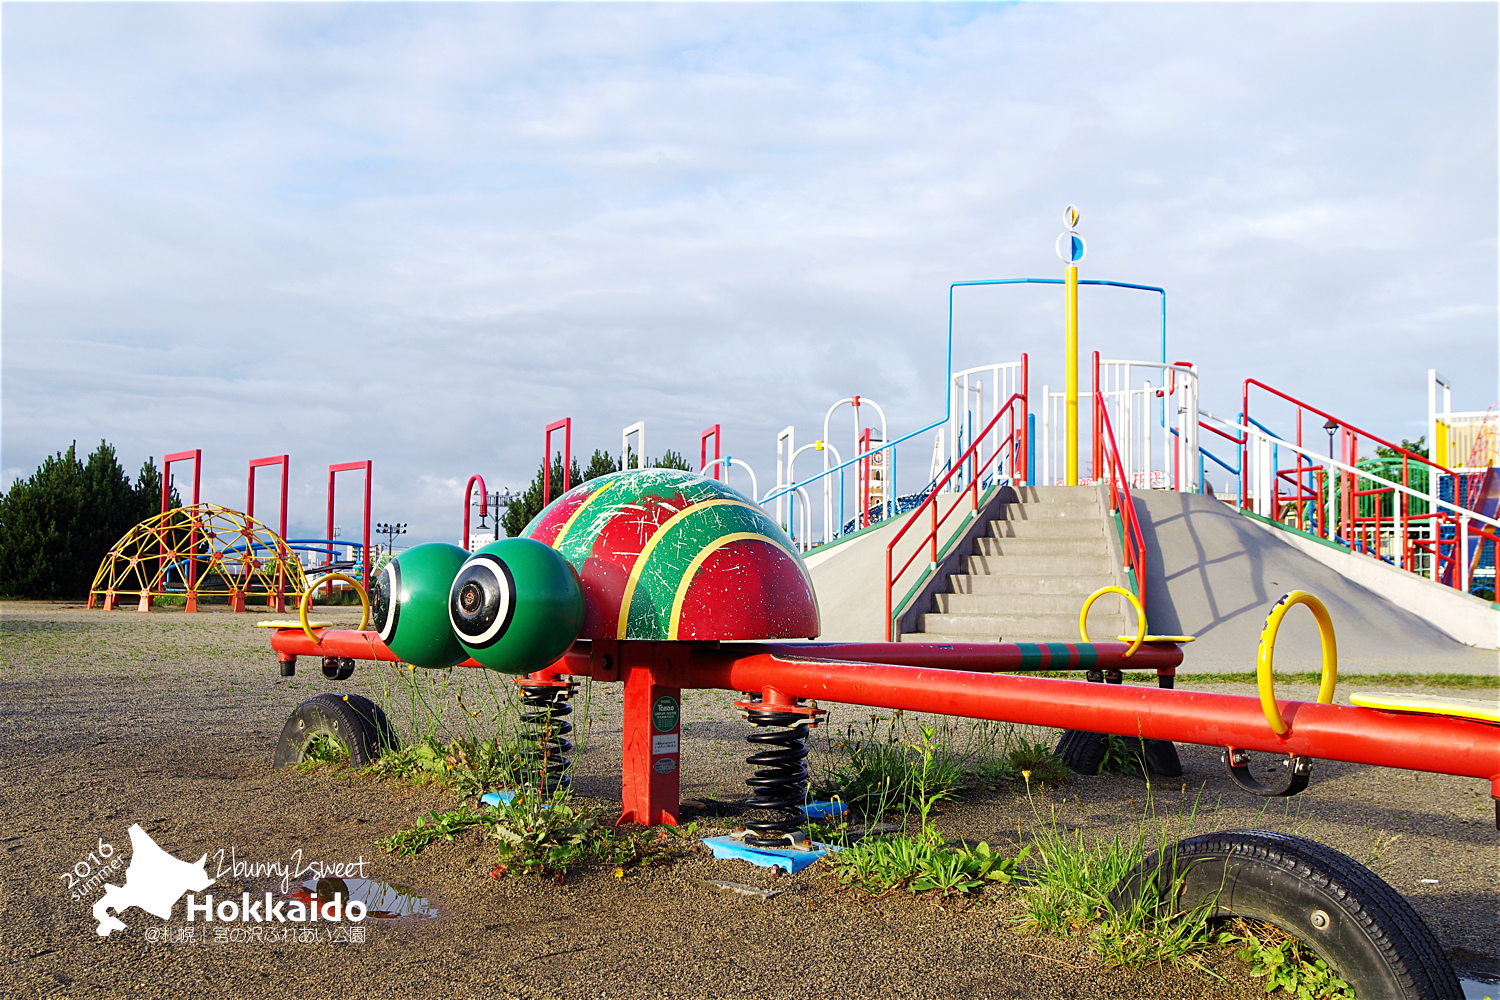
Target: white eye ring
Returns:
[392, 574]
[499, 574]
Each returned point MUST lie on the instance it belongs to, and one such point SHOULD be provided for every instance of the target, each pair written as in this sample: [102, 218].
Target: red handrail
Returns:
[1014, 442]
[1351, 528]
[468, 496]
[1119, 491]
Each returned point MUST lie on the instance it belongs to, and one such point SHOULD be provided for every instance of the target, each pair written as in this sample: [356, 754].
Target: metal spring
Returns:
[544, 760]
[780, 781]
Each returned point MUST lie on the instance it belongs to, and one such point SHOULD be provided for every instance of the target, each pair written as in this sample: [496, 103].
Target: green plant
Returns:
[323, 750]
[468, 767]
[435, 826]
[57, 524]
[919, 863]
[1119, 757]
[1069, 893]
[873, 765]
[1287, 964]
[540, 832]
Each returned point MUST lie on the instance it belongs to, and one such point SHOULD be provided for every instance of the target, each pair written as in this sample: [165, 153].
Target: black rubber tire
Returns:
[355, 721]
[1371, 938]
[1083, 752]
[1160, 757]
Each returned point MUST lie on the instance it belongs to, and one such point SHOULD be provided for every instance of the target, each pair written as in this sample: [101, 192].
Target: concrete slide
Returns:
[1214, 574]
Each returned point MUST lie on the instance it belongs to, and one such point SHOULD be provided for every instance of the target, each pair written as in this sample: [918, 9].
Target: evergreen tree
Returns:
[58, 524]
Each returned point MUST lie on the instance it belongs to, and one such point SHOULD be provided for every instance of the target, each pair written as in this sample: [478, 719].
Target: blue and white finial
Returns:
[1070, 246]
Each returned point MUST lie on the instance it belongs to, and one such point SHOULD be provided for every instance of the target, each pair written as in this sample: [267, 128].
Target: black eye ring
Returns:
[385, 600]
[482, 601]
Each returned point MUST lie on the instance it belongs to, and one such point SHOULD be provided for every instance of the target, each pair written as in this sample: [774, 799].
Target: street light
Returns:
[390, 531]
[1332, 427]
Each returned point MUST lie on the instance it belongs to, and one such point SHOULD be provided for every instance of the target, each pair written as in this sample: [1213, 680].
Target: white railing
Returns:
[1153, 408]
[974, 396]
[1261, 489]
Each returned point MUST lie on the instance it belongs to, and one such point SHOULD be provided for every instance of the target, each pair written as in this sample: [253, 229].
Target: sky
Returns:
[417, 233]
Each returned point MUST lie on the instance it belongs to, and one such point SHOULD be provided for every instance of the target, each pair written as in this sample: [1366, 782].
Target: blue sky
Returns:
[417, 232]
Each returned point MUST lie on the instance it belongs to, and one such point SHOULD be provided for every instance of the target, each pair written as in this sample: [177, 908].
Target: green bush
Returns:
[57, 524]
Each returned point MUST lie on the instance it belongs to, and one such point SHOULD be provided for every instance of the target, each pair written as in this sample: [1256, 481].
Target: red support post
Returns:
[862, 477]
[483, 499]
[368, 467]
[196, 457]
[711, 432]
[566, 426]
[652, 740]
[277, 603]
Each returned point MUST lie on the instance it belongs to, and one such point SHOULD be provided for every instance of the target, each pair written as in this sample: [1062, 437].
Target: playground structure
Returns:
[192, 552]
[201, 552]
[666, 581]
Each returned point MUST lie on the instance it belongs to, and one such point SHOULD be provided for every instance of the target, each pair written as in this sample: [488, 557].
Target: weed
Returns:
[874, 765]
[1287, 964]
[546, 834]
[540, 832]
[1070, 892]
[322, 750]
[920, 863]
[1119, 757]
[467, 766]
[442, 826]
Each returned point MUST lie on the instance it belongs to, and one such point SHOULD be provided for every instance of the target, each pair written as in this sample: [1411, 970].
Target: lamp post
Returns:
[1332, 427]
[390, 531]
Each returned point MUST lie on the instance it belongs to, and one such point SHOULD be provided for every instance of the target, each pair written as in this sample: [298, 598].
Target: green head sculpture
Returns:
[409, 605]
[516, 605]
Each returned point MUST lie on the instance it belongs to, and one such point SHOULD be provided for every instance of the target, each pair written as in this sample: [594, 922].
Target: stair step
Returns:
[1069, 547]
[1076, 585]
[1012, 604]
[1097, 564]
[1028, 625]
[1092, 527]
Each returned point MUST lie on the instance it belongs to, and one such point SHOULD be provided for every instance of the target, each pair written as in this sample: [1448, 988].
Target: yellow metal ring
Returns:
[1140, 617]
[302, 606]
[1264, 655]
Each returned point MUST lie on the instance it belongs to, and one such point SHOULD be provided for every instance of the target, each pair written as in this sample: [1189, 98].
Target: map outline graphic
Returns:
[154, 882]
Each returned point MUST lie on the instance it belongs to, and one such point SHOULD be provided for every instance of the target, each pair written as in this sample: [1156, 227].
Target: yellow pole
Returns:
[1070, 380]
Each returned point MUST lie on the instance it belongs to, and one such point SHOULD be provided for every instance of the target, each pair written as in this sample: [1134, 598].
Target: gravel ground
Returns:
[169, 720]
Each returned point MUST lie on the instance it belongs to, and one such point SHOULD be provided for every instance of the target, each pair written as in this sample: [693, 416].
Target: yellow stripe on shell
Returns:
[640, 560]
[573, 517]
[692, 571]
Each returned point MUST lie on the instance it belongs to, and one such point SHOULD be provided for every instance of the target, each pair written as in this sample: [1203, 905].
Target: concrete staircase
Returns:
[1028, 575]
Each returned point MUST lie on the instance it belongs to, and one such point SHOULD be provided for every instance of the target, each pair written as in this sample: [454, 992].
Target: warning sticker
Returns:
[664, 744]
[664, 765]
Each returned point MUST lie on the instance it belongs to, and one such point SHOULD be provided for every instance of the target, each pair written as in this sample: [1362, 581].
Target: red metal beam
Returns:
[1330, 732]
[566, 426]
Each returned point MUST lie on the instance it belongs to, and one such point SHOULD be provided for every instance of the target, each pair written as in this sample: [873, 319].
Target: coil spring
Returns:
[780, 781]
[545, 744]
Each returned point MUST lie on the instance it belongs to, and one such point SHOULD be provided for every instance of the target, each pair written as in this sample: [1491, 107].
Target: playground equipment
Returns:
[662, 579]
[199, 551]
[1400, 507]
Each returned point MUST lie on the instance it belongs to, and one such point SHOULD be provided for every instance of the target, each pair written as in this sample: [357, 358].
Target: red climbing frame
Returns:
[278, 603]
[566, 426]
[367, 467]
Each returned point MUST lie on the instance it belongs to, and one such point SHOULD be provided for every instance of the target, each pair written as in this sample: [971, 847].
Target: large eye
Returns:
[410, 605]
[383, 607]
[482, 602]
[516, 605]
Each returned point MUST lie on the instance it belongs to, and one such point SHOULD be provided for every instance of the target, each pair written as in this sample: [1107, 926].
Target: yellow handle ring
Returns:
[1140, 617]
[1264, 655]
[302, 606]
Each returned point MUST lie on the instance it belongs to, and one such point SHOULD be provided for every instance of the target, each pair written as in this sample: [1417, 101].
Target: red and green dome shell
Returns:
[667, 555]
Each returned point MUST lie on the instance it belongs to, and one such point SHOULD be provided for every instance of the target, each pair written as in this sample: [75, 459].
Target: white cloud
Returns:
[416, 233]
